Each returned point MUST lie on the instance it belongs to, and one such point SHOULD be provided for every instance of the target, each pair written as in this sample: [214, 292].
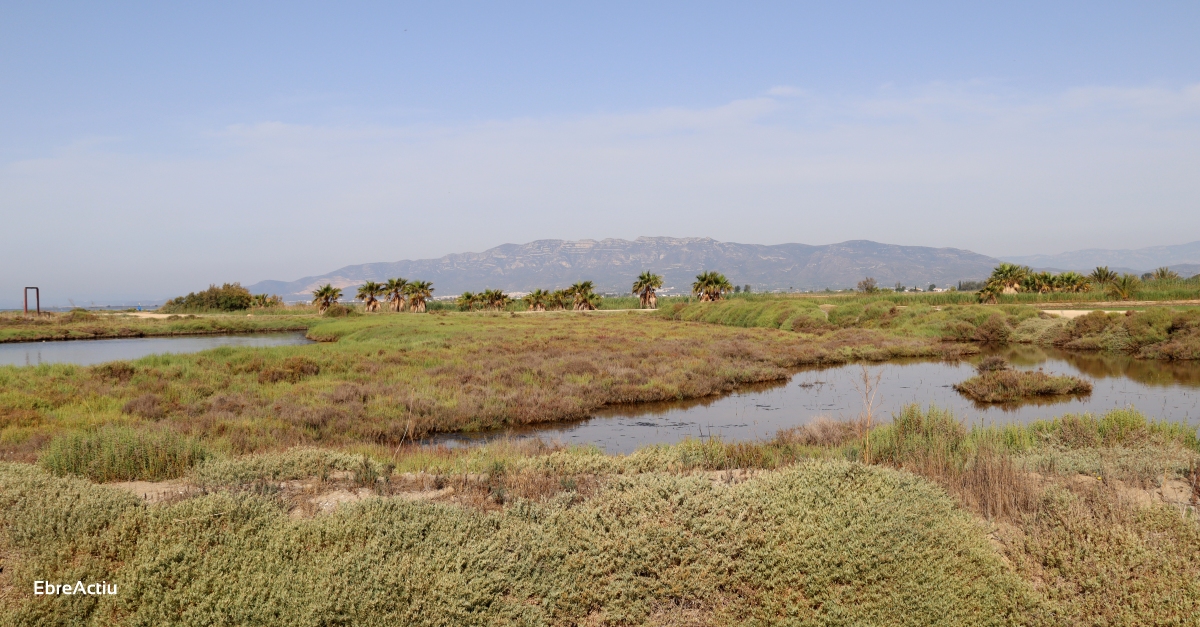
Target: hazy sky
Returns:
[151, 149]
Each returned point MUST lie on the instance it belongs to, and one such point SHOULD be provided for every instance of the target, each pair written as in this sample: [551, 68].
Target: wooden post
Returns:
[37, 295]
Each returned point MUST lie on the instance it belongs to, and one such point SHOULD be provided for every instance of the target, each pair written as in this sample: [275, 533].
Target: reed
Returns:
[114, 453]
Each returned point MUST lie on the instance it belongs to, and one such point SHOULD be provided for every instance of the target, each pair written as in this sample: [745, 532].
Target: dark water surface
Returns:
[1169, 390]
[88, 352]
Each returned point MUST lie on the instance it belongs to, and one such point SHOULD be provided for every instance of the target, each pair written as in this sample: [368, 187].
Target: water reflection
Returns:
[1107, 365]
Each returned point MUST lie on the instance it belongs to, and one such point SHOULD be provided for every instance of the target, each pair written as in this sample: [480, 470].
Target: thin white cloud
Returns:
[970, 165]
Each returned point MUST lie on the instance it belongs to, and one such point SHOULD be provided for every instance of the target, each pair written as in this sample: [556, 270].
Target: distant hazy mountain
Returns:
[1182, 258]
[614, 263]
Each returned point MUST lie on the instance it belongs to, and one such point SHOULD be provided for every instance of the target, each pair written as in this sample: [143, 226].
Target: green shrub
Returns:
[122, 454]
[228, 297]
[1118, 427]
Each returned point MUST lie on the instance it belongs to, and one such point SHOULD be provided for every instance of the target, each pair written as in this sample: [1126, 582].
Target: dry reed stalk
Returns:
[866, 419]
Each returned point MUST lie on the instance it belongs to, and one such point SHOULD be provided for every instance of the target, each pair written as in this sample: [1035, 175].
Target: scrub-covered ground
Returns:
[1081, 520]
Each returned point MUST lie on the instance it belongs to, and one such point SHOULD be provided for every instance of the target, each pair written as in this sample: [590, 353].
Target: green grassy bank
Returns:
[1153, 333]
[83, 325]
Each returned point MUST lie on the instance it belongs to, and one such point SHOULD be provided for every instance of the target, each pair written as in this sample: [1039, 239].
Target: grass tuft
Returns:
[122, 454]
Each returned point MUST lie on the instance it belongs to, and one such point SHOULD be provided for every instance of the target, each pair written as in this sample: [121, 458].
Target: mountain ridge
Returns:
[1180, 257]
[612, 264]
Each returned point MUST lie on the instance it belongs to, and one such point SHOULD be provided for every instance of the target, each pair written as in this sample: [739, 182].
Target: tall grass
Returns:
[114, 453]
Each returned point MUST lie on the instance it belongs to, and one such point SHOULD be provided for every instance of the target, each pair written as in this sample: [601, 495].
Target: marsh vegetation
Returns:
[296, 468]
[946, 525]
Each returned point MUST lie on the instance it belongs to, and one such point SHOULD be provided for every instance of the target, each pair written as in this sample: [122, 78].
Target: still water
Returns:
[1169, 390]
[88, 352]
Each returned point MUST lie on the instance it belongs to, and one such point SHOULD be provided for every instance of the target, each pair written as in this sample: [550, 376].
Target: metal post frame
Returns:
[37, 295]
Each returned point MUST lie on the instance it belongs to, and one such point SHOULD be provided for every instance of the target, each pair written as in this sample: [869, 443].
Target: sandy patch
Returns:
[1076, 313]
[157, 491]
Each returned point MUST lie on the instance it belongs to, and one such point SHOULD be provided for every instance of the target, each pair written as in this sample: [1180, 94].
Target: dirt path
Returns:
[1116, 304]
[1076, 313]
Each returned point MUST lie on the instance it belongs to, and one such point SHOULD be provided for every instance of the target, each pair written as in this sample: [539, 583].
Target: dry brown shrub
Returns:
[350, 393]
[994, 487]
[959, 331]
[253, 365]
[994, 329]
[808, 324]
[821, 432]
[148, 406]
[1075, 432]
[992, 363]
[116, 371]
[20, 417]
[25, 451]
[579, 367]
[316, 418]
[232, 403]
[292, 370]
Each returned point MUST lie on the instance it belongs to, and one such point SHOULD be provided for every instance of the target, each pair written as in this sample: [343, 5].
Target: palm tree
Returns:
[1166, 274]
[1040, 282]
[1123, 287]
[418, 292]
[494, 299]
[394, 289]
[1009, 276]
[644, 287]
[710, 285]
[557, 300]
[368, 293]
[584, 299]
[467, 301]
[1073, 282]
[537, 299]
[1102, 275]
[325, 297]
[262, 301]
[988, 294]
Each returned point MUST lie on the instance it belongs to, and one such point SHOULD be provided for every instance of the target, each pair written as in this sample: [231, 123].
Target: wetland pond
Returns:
[89, 352]
[1159, 389]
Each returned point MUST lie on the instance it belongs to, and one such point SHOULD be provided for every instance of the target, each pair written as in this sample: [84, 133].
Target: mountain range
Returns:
[612, 265]
[1182, 258]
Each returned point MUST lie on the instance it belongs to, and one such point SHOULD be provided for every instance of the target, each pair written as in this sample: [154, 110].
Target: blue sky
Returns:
[150, 149]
